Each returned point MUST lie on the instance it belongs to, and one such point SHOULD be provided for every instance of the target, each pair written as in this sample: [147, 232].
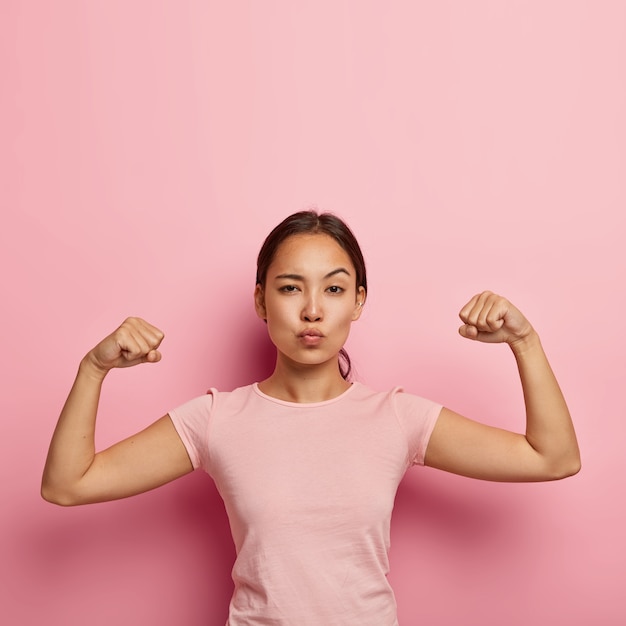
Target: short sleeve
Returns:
[417, 417]
[191, 421]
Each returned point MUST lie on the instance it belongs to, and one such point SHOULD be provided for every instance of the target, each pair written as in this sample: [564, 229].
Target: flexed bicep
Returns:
[144, 461]
[469, 448]
[74, 473]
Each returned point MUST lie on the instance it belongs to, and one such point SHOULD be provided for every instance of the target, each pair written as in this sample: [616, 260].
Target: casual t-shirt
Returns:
[309, 489]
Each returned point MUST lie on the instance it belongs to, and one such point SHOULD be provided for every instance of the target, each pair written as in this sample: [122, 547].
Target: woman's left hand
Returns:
[491, 318]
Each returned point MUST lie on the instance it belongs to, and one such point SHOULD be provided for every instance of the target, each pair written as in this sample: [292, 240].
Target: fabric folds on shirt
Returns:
[309, 490]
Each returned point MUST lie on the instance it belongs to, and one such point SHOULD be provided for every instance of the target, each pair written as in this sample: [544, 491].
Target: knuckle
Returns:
[130, 321]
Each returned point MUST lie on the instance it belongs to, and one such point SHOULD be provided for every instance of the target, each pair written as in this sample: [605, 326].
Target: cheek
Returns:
[277, 317]
[348, 311]
[275, 329]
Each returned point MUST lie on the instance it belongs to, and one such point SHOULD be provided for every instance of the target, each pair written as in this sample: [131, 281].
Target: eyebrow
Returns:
[339, 270]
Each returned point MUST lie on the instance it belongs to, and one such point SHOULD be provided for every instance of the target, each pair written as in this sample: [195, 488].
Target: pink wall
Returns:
[148, 147]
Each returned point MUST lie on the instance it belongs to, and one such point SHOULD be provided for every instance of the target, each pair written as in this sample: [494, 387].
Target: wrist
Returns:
[524, 344]
[90, 368]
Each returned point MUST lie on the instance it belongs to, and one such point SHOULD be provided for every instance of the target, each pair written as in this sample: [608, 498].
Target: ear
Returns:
[259, 302]
[361, 296]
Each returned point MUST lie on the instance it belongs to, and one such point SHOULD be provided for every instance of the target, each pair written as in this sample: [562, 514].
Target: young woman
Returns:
[307, 462]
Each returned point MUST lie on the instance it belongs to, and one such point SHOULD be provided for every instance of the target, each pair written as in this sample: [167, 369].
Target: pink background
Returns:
[148, 147]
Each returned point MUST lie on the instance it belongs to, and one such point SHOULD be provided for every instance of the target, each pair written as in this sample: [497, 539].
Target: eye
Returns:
[288, 288]
[336, 289]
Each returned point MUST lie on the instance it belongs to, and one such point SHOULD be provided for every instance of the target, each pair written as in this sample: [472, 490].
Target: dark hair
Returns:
[312, 223]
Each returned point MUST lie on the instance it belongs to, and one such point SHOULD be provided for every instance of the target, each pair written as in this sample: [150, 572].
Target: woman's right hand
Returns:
[134, 342]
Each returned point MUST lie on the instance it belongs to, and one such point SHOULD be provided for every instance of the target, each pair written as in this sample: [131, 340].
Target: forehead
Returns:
[310, 252]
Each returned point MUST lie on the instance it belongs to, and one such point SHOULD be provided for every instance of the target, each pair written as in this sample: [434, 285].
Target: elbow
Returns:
[57, 496]
[573, 468]
[50, 495]
[565, 469]
[574, 463]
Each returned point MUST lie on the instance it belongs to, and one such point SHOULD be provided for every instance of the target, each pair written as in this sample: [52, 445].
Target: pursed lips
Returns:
[311, 336]
[310, 332]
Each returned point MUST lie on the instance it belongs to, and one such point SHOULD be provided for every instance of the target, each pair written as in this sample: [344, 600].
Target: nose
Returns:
[312, 312]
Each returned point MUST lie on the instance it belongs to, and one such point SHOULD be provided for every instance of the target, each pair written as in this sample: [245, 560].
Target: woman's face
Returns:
[310, 299]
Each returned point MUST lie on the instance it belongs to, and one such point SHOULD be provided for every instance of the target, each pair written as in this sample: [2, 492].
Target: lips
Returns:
[311, 336]
[311, 332]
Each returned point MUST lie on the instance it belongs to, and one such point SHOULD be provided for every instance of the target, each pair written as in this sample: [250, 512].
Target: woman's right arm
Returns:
[74, 473]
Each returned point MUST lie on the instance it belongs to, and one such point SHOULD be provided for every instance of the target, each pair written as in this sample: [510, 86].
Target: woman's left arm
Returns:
[548, 450]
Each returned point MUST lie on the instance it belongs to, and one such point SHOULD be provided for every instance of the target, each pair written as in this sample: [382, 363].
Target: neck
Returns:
[305, 384]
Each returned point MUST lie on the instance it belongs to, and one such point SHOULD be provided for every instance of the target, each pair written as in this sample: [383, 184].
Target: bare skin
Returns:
[310, 288]
[309, 302]
[548, 450]
[74, 473]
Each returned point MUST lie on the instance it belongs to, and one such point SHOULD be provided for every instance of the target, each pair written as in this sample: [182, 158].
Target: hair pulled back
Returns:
[313, 223]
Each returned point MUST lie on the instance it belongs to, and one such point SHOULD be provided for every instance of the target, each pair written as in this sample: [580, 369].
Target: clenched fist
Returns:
[491, 318]
[134, 342]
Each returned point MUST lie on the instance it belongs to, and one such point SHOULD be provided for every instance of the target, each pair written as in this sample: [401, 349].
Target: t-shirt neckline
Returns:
[341, 396]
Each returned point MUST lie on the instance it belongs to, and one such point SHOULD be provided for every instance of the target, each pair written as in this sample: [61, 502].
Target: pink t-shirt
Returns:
[309, 490]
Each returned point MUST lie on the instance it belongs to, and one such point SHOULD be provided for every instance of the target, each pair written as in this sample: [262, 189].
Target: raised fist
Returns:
[491, 318]
[134, 342]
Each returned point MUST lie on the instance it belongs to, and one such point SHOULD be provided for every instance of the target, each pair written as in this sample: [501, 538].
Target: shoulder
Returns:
[195, 419]
[396, 396]
[411, 415]
[213, 399]
[407, 407]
